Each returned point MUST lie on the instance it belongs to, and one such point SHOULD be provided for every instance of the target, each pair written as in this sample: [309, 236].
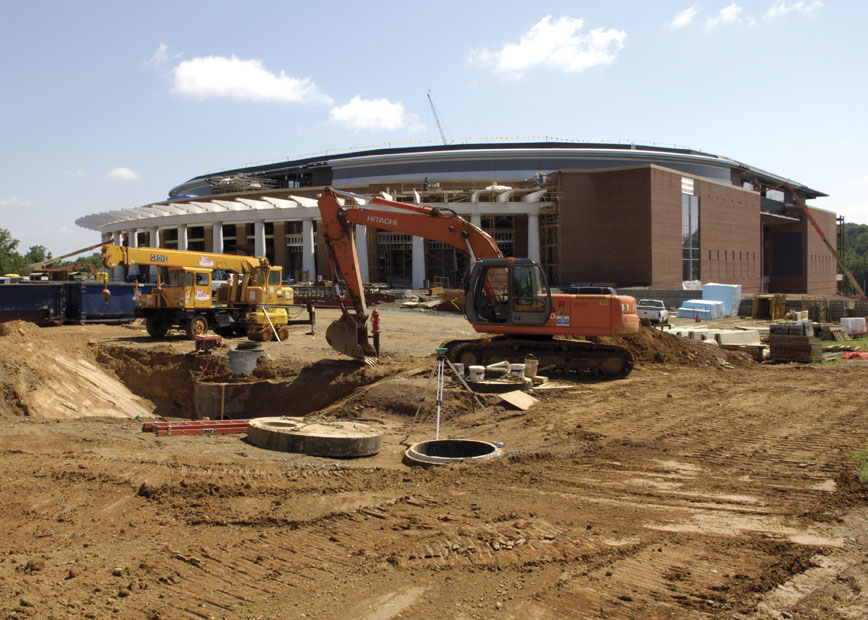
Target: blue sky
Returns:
[107, 105]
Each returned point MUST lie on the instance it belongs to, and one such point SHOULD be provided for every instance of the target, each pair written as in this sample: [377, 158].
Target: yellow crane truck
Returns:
[253, 302]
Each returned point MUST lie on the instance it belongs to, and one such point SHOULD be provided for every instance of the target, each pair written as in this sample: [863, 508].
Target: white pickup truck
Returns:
[654, 310]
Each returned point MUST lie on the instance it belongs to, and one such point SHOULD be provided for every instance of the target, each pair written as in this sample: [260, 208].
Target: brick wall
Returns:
[820, 263]
[666, 242]
[731, 236]
[605, 221]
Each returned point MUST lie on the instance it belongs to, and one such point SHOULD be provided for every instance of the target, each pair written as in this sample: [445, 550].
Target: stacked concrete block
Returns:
[795, 348]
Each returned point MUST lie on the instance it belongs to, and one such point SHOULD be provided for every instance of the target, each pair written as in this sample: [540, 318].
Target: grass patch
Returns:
[857, 344]
[861, 459]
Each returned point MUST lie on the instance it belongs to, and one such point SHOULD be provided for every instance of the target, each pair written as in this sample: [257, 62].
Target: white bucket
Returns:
[516, 370]
[477, 373]
[531, 365]
[459, 370]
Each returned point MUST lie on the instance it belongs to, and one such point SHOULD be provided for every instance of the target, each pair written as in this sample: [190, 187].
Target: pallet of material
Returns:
[795, 348]
[816, 307]
[196, 427]
[772, 307]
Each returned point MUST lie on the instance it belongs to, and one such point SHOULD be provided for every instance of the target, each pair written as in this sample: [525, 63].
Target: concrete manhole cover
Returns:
[444, 451]
[337, 439]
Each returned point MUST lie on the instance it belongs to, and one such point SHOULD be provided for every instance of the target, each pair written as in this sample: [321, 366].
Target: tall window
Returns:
[690, 237]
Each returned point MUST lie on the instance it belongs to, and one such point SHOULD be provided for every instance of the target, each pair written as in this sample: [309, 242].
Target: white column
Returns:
[117, 272]
[418, 262]
[154, 242]
[258, 238]
[533, 237]
[476, 219]
[133, 242]
[182, 236]
[217, 237]
[362, 251]
[308, 256]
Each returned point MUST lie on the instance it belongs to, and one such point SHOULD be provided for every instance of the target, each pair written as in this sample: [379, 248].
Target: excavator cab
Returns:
[507, 291]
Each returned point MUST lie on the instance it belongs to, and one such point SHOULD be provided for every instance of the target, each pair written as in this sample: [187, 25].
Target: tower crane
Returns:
[437, 118]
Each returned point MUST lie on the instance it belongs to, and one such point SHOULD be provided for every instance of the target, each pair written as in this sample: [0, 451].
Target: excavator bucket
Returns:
[347, 337]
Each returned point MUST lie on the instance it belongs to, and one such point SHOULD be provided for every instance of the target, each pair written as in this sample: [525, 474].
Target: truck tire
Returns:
[283, 332]
[157, 328]
[196, 326]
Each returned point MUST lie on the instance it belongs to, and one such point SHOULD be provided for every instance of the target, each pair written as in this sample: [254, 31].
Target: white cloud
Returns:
[122, 174]
[558, 45]
[246, 80]
[75, 173]
[728, 15]
[160, 56]
[15, 201]
[781, 8]
[684, 18]
[373, 115]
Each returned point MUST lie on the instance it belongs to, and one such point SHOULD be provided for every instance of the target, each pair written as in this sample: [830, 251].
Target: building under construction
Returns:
[623, 215]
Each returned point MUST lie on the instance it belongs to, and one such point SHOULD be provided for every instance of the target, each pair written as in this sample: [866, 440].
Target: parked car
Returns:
[654, 310]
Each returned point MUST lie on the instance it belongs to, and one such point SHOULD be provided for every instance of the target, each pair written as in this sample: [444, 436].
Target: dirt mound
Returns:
[654, 346]
[44, 376]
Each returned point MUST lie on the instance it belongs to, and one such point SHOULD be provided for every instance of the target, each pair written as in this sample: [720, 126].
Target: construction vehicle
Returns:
[185, 300]
[506, 298]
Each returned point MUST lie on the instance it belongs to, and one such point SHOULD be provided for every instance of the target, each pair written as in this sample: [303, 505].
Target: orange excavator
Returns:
[508, 299]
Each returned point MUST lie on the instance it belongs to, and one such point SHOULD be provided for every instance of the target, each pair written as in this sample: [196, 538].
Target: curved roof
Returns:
[487, 161]
[195, 202]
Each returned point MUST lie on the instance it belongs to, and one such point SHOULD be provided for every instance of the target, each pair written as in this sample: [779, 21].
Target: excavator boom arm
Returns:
[418, 220]
[349, 333]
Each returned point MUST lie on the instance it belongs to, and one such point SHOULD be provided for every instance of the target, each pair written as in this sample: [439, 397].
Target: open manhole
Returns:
[443, 451]
[338, 439]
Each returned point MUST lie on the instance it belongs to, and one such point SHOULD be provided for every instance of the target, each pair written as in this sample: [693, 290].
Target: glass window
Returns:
[527, 288]
[690, 242]
[203, 279]
[274, 277]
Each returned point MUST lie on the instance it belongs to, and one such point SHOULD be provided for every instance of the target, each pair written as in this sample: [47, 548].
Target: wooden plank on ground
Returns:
[519, 399]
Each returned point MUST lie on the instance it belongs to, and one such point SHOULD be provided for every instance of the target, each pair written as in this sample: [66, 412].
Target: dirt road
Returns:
[697, 487]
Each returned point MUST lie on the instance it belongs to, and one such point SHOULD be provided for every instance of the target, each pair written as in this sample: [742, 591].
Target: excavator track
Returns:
[568, 357]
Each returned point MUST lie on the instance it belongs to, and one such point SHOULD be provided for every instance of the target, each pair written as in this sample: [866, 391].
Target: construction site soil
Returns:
[703, 485]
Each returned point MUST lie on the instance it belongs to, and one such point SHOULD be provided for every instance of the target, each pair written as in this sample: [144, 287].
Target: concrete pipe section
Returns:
[333, 439]
[444, 451]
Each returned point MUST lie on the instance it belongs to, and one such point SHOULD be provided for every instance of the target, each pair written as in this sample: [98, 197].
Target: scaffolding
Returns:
[240, 183]
[550, 231]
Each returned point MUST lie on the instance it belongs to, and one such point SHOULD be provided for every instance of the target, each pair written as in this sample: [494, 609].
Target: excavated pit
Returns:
[81, 371]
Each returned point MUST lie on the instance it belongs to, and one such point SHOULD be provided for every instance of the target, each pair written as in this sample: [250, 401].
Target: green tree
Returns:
[855, 253]
[37, 254]
[10, 260]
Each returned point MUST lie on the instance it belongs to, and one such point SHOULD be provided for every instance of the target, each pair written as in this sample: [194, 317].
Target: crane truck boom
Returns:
[507, 298]
[185, 300]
